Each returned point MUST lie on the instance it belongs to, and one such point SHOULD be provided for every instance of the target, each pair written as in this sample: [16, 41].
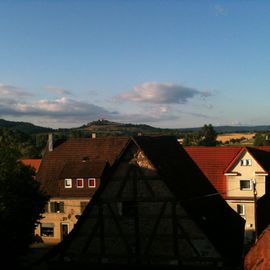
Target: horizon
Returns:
[167, 64]
[195, 127]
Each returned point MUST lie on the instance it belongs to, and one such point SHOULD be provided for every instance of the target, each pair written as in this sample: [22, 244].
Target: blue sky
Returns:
[165, 63]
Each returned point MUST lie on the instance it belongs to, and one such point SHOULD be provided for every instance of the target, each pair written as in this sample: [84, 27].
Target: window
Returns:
[57, 207]
[92, 182]
[79, 182]
[241, 209]
[245, 184]
[46, 208]
[47, 229]
[246, 162]
[68, 183]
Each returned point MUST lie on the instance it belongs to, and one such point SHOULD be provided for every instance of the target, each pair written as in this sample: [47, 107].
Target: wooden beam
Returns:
[163, 207]
[118, 226]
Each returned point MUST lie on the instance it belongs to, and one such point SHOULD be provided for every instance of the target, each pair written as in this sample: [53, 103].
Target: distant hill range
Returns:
[24, 127]
[106, 128]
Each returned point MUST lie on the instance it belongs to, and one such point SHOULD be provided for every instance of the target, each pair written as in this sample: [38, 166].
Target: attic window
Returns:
[79, 182]
[68, 183]
[246, 162]
[92, 182]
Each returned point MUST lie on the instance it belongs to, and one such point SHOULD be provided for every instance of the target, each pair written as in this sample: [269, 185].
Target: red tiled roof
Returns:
[77, 150]
[258, 257]
[213, 161]
[34, 163]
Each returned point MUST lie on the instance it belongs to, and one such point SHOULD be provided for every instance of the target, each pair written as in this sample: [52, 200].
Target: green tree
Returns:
[261, 139]
[21, 204]
[191, 139]
[207, 136]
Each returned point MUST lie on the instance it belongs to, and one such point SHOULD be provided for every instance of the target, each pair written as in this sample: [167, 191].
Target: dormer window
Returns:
[92, 182]
[246, 162]
[68, 183]
[79, 182]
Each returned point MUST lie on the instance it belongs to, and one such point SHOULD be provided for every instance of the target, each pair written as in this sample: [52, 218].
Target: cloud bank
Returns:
[58, 108]
[153, 103]
[161, 93]
[12, 91]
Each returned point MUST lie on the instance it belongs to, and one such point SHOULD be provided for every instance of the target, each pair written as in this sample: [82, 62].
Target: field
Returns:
[229, 136]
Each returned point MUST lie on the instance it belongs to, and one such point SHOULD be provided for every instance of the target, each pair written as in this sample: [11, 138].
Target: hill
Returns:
[108, 128]
[25, 127]
[105, 127]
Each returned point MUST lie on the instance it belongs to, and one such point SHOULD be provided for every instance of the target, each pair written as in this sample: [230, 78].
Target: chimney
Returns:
[50, 142]
[94, 135]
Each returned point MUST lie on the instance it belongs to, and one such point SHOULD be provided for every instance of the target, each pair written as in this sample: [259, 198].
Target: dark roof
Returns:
[83, 169]
[223, 226]
[220, 223]
[213, 162]
[76, 150]
[262, 156]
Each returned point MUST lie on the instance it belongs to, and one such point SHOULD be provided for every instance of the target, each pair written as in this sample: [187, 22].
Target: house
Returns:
[240, 174]
[154, 208]
[213, 162]
[70, 174]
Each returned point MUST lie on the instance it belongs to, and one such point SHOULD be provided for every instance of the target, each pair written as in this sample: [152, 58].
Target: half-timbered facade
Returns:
[154, 208]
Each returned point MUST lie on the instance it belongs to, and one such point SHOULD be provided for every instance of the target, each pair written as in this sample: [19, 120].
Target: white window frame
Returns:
[246, 180]
[68, 183]
[82, 186]
[242, 206]
[246, 162]
[89, 180]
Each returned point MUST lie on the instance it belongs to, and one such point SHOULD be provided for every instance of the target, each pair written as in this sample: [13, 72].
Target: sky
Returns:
[169, 64]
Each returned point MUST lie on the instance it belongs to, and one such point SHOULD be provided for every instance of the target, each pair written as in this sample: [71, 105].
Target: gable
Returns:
[155, 207]
[245, 163]
[136, 218]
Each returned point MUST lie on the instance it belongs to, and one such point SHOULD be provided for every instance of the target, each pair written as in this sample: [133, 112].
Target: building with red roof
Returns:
[153, 211]
[240, 174]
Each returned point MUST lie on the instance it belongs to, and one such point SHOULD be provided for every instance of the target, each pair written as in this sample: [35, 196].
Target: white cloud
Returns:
[62, 108]
[12, 91]
[162, 93]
